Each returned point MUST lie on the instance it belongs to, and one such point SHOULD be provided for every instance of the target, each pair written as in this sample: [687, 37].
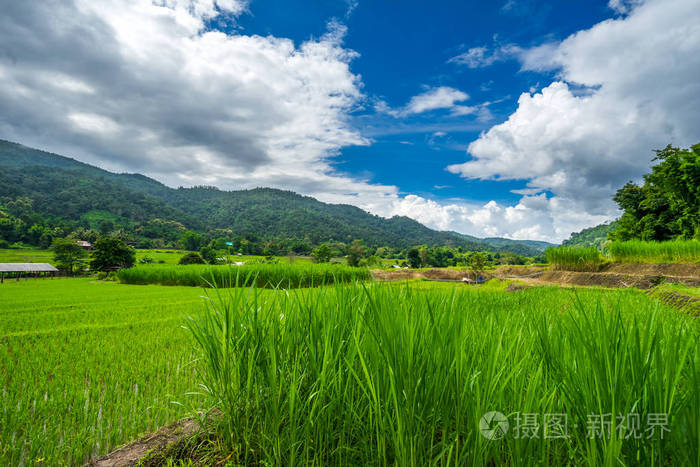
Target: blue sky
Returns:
[404, 48]
[513, 118]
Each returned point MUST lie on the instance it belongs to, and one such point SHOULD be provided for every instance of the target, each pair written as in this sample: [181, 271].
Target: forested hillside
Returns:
[592, 236]
[49, 191]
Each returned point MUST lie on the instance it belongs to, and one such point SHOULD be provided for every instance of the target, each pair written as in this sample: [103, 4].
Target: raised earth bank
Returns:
[615, 275]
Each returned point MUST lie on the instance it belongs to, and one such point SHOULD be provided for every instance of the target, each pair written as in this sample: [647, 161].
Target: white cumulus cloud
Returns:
[625, 87]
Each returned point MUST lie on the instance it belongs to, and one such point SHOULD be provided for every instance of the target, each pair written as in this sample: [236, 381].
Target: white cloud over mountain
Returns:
[144, 86]
[147, 86]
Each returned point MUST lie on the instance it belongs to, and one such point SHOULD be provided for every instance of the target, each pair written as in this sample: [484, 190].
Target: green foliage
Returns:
[208, 254]
[191, 258]
[190, 241]
[387, 375]
[356, 252]
[322, 253]
[673, 251]
[111, 252]
[511, 258]
[477, 263]
[262, 275]
[592, 236]
[68, 255]
[414, 258]
[574, 258]
[667, 205]
[167, 230]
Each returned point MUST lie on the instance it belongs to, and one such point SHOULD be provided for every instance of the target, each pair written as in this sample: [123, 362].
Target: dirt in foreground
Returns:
[130, 454]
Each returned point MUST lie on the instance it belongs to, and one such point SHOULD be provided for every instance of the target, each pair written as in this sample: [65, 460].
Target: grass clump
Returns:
[259, 275]
[672, 251]
[574, 258]
[388, 375]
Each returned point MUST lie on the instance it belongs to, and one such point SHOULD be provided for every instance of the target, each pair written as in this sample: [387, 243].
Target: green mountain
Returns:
[64, 189]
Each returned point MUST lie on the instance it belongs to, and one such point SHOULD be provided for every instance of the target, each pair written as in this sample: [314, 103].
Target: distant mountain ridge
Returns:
[73, 190]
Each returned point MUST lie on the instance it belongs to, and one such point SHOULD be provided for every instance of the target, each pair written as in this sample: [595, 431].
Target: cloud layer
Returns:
[150, 86]
[146, 86]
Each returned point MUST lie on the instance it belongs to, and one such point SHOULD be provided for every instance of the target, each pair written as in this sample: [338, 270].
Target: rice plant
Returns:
[672, 251]
[88, 366]
[260, 275]
[574, 258]
[381, 374]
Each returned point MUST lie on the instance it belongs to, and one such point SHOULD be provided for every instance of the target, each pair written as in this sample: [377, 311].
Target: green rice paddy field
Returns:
[373, 374]
[36, 255]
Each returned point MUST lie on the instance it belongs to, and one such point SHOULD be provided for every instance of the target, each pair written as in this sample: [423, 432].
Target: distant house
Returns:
[84, 244]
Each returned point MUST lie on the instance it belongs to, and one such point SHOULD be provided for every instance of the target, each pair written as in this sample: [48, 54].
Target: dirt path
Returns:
[130, 454]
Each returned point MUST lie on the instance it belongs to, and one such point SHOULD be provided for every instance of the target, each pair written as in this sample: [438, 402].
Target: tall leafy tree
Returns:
[191, 240]
[112, 252]
[356, 252]
[322, 253]
[477, 263]
[414, 258]
[667, 204]
[68, 255]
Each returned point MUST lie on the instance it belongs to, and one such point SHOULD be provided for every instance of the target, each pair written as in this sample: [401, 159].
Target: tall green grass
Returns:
[673, 251]
[260, 275]
[574, 258]
[387, 375]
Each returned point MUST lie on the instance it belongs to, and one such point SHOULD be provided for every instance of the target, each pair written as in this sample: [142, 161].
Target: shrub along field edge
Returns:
[574, 258]
[673, 251]
[260, 275]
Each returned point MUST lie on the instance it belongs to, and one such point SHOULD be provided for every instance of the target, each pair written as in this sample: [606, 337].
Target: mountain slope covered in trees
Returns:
[592, 236]
[63, 190]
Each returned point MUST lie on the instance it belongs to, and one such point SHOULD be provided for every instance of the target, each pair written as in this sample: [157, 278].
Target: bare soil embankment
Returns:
[130, 454]
[616, 275]
[500, 272]
[642, 276]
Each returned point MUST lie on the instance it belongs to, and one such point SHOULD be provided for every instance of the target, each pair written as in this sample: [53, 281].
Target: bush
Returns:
[191, 258]
[101, 275]
[145, 260]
